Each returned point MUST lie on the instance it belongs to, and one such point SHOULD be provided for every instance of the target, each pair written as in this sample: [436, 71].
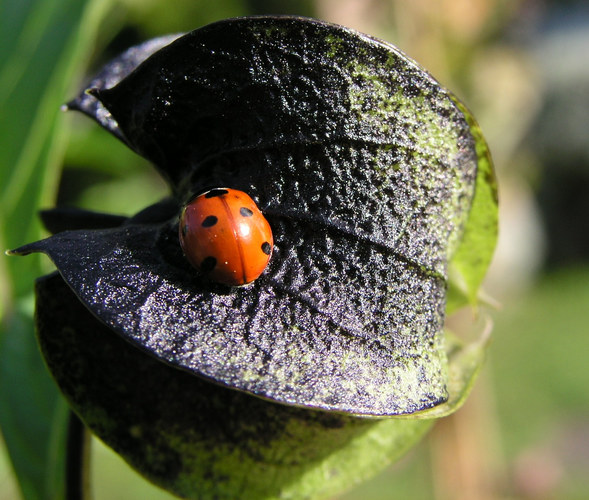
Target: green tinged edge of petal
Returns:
[469, 263]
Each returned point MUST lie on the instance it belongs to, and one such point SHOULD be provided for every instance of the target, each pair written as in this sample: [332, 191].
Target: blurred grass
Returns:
[42, 44]
[541, 379]
[104, 175]
[540, 358]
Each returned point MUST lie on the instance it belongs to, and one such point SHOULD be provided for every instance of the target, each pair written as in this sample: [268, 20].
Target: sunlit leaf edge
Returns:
[469, 263]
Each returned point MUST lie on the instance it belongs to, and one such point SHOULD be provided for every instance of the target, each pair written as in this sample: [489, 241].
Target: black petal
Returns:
[363, 336]
[319, 123]
[111, 74]
[191, 437]
[365, 169]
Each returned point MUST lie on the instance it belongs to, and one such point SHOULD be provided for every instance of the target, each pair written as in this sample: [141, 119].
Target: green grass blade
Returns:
[42, 43]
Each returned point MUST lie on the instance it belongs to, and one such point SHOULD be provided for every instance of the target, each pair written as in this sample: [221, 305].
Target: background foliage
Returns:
[518, 65]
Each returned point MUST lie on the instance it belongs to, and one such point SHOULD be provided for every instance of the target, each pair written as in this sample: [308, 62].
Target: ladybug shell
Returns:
[225, 236]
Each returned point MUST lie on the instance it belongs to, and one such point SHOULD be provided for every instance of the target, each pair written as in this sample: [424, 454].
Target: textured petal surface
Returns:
[320, 124]
[354, 344]
[197, 439]
[365, 168]
[111, 74]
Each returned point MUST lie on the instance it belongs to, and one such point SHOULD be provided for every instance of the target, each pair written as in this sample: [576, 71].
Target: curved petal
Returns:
[327, 326]
[365, 168]
[318, 123]
[111, 74]
[197, 439]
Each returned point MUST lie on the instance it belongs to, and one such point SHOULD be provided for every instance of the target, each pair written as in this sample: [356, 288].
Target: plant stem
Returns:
[77, 467]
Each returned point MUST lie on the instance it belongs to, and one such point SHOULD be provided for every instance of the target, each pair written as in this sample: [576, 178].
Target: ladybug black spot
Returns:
[208, 264]
[216, 192]
[209, 221]
[266, 248]
[245, 212]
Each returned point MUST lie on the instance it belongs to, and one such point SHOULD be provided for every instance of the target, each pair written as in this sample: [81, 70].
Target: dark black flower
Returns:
[366, 170]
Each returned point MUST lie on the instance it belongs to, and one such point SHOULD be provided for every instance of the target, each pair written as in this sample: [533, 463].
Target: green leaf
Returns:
[471, 259]
[41, 43]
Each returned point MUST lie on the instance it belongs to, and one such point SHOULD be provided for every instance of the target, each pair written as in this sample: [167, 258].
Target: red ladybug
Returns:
[225, 236]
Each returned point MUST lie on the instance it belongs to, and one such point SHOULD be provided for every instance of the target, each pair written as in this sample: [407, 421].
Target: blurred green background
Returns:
[521, 66]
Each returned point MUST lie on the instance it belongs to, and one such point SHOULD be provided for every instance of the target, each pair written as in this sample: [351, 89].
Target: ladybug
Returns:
[225, 236]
